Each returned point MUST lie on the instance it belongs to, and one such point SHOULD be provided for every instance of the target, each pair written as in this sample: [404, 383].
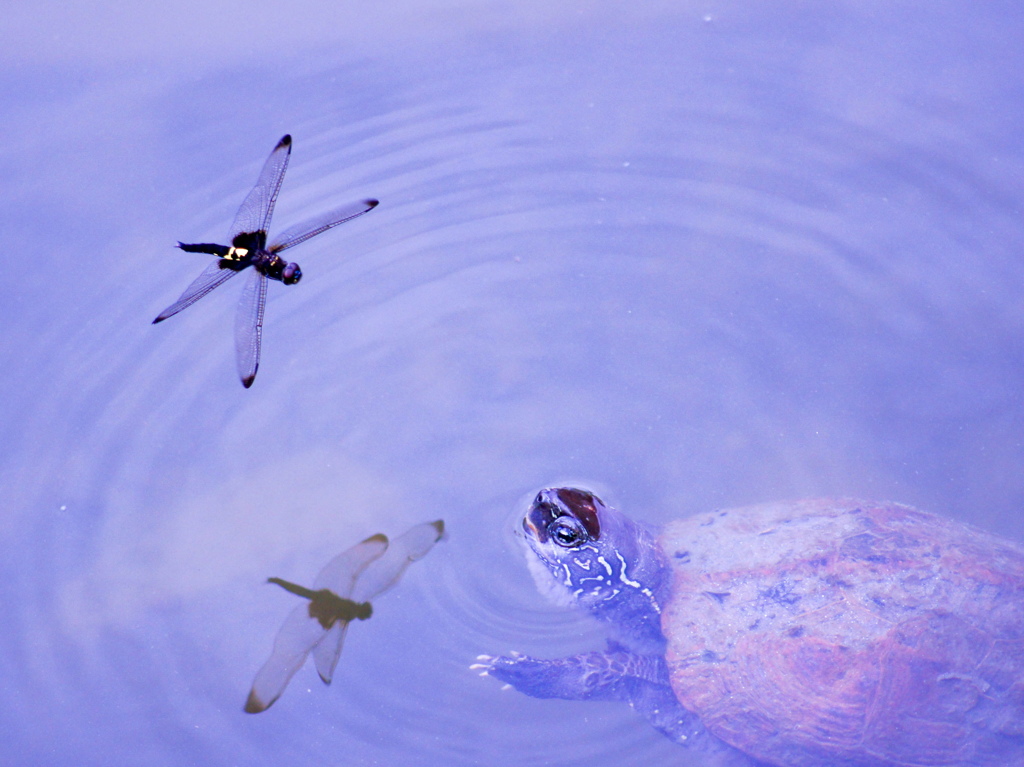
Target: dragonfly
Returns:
[248, 248]
[341, 593]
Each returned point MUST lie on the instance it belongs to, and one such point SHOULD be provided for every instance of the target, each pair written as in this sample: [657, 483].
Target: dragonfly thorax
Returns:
[266, 262]
[328, 608]
[276, 268]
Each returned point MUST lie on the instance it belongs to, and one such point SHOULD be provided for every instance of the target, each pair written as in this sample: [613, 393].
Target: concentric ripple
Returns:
[684, 259]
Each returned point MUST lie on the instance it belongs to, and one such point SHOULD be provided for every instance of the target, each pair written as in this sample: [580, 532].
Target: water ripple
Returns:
[693, 274]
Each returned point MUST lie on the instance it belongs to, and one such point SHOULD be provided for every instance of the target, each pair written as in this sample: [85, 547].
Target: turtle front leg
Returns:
[639, 680]
[618, 674]
[590, 676]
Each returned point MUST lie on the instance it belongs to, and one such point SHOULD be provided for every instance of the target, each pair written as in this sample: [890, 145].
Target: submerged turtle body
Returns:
[840, 632]
[806, 634]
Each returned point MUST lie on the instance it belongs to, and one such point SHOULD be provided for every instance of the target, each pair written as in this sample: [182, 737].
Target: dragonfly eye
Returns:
[291, 274]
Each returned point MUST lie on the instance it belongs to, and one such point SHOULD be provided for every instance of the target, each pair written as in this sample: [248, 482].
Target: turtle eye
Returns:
[566, 532]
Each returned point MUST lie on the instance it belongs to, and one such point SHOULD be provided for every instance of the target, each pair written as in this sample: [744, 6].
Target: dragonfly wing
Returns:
[211, 277]
[258, 206]
[249, 327]
[328, 650]
[340, 574]
[292, 236]
[384, 573]
[297, 637]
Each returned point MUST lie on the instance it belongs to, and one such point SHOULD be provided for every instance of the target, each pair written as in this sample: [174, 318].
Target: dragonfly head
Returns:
[291, 274]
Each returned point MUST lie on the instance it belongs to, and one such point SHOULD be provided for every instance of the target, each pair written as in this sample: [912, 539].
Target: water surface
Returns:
[693, 256]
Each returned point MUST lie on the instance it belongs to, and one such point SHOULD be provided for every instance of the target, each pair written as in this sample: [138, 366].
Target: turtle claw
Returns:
[485, 665]
[485, 662]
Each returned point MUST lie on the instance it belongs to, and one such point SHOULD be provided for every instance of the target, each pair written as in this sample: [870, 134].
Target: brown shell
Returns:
[838, 632]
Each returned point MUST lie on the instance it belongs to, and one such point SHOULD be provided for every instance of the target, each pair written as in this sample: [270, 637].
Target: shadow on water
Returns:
[698, 259]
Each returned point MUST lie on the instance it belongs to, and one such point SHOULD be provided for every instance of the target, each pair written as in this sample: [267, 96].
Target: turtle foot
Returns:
[565, 678]
[639, 680]
[588, 676]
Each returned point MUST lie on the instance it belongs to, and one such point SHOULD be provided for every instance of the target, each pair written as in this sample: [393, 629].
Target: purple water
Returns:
[693, 255]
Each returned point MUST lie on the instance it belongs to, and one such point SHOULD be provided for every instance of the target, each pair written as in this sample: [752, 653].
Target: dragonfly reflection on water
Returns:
[249, 248]
[340, 595]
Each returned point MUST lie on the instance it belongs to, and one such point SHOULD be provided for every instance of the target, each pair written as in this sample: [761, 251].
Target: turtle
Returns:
[803, 633]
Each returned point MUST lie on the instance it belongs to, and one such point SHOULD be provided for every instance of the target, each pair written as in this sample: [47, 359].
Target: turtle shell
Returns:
[838, 632]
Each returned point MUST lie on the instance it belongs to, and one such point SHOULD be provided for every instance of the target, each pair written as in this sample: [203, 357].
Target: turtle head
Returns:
[588, 554]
